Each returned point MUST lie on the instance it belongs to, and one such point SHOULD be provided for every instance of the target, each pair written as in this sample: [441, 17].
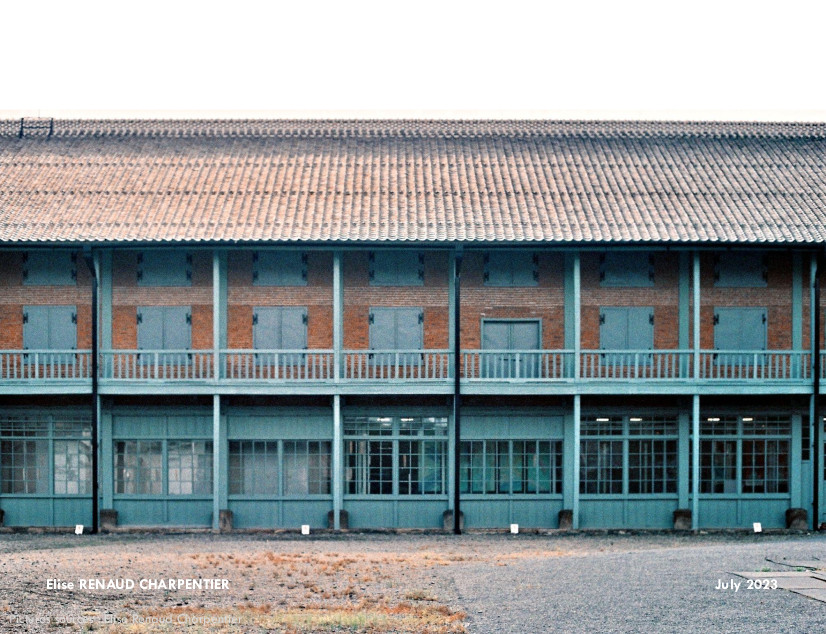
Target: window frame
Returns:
[164, 467]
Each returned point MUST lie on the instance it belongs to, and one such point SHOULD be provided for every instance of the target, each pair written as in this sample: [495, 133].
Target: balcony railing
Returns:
[45, 364]
[156, 365]
[277, 365]
[407, 365]
[411, 365]
[525, 365]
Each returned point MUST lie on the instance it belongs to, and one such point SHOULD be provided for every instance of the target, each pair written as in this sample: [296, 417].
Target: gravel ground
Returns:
[621, 582]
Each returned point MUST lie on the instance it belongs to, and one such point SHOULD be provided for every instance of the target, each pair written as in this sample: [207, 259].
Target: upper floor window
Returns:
[279, 268]
[51, 267]
[396, 328]
[164, 327]
[626, 268]
[396, 268]
[626, 328]
[49, 327]
[164, 268]
[511, 268]
[740, 269]
[279, 328]
[740, 328]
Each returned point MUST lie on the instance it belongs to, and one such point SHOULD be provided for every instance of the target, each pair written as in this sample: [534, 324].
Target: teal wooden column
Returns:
[695, 407]
[107, 472]
[451, 338]
[338, 463]
[795, 464]
[219, 309]
[104, 264]
[683, 444]
[338, 318]
[219, 468]
[577, 427]
[338, 364]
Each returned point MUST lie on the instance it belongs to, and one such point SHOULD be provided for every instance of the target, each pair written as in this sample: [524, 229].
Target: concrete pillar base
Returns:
[108, 519]
[224, 521]
[797, 519]
[447, 520]
[343, 519]
[566, 519]
[682, 520]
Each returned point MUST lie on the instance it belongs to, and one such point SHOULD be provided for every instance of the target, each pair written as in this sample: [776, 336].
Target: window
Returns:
[518, 335]
[511, 466]
[395, 455]
[279, 268]
[50, 327]
[746, 454]
[140, 468]
[189, 467]
[511, 268]
[164, 268]
[279, 328]
[164, 327]
[31, 447]
[647, 444]
[626, 268]
[740, 328]
[396, 268]
[626, 328]
[740, 269]
[301, 467]
[50, 268]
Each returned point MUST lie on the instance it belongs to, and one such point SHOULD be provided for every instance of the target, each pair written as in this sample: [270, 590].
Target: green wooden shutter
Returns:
[279, 268]
[62, 327]
[164, 268]
[626, 268]
[613, 328]
[36, 327]
[640, 328]
[740, 269]
[266, 329]
[396, 268]
[382, 329]
[177, 330]
[52, 267]
[150, 327]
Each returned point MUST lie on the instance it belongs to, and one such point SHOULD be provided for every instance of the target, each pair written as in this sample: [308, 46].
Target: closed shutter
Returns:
[164, 268]
[177, 331]
[150, 327]
[36, 327]
[511, 268]
[279, 268]
[495, 335]
[382, 329]
[408, 328]
[50, 268]
[613, 328]
[266, 329]
[396, 268]
[630, 268]
[740, 269]
[50, 327]
[640, 328]
[740, 329]
[294, 328]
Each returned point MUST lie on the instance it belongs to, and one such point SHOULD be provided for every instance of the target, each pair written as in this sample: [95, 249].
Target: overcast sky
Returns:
[696, 59]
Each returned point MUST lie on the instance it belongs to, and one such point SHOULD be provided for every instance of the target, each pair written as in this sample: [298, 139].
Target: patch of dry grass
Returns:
[365, 617]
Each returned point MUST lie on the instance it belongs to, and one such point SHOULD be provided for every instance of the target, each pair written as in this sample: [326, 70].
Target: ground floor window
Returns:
[395, 455]
[510, 466]
[744, 454]
[161, 467]
[279, 467]
[45, 455]
[628, 455]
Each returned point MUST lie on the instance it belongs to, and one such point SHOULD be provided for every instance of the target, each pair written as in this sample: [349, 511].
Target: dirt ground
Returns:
[282, 583]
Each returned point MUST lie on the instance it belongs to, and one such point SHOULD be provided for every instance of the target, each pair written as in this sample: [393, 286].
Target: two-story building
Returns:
[368, 323]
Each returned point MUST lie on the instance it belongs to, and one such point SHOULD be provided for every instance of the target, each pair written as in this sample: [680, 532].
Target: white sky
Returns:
[699, 59]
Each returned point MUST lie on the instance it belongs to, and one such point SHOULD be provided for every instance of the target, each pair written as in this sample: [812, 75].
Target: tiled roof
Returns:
[435, 181]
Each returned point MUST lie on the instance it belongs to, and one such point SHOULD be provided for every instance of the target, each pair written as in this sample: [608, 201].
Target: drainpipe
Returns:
[818, 425]
[457, 391]
[90, 262]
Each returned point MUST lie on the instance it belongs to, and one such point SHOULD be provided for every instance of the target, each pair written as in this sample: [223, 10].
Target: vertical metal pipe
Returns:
[695, 462]
[92, 264]
[818, 424]
[457, 391]
[338, 466]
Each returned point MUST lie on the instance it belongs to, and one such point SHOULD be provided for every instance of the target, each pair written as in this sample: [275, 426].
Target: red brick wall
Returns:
[14, 296]
[316, 296]
[359, 297]
[544, 301]
[127, 296]
[663, 296]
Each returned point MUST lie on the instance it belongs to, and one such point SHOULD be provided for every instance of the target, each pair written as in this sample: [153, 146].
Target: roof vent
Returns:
[36, 126]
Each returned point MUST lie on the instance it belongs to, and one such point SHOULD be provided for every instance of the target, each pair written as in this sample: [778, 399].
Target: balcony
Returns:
[374, 371]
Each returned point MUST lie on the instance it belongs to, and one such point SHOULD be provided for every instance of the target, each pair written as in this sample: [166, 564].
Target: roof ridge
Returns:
[371, 128]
